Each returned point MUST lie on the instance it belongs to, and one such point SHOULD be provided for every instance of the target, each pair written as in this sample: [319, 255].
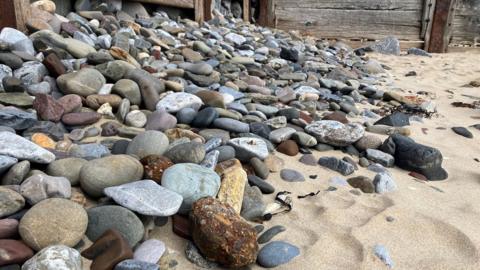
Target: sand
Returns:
[436, 224]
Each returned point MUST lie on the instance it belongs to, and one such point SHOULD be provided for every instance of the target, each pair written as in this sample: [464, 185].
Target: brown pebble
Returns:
[288, 147]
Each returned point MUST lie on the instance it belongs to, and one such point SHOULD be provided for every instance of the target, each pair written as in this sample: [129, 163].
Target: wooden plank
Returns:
[246, 10]
[199, 11]
[404, 44]
[22, 13]
[455, 49]
[207, 7]
[171, 3]
[427, 21]
[352, 4]
[370, 24]
[466, 23]
[7, 17]
[440, 26]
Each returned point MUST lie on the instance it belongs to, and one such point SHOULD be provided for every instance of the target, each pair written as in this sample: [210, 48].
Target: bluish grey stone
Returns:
[210, 160]
[378, 156]
[23, 149]
[291, 175]
[149, 251]
[192, 181]
[338, 181]
[227, 90]
[186, 115]
[17, 119]
[277, 253]
[106, 217]
[382, 253]
[31, 72]
[6, 162]
[263, 185]
[388, 45]
[146, 197]
[190, 152]
[253, 205]
[384, 183]
[212, 144]
[136, 265]
[89, 151]
[231, 125]
[141, 145]
[247, 148]
[281, 134]
[336, 164]
[226, 152]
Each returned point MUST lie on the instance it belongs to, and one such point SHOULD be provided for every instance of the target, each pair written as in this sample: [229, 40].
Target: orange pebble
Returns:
[43, 140]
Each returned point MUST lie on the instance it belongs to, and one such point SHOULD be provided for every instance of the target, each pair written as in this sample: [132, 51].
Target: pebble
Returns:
[146, 197]
[8, 228]
[335, 133]
[382, 253]
[103, 218]
[263, 185]
[195, 257]
[277, 253]
[190, 152]
[291, 175]
[53, 221]
[68, 168]
[18, 147]
[462, 132]
[13, 252]
[40, 187]
[10, 202]
[16, 174]
[136, 264]
[288, 147]
[231, 125]
[338, 165]
[309, 160]
[270, 234]
[363, 183]
[261, 170]
[192, 182]
[55, 257]
[247, 148]
[141, 145]
[176, 101]
[384, 183]
[385, 159]
[149, 251]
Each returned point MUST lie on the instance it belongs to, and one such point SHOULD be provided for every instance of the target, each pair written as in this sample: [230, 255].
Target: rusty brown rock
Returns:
[48, 108]
[95, 101]
[288, 147]
[54, 65]
[154, 166]
[181, 226]
[222, 235]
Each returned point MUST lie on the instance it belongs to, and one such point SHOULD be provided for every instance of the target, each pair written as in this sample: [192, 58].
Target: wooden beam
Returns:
[171, 3]
[266, 14]
[199, 11]
[246, 10]
[207, 7]
[7, 17]
[439, 35]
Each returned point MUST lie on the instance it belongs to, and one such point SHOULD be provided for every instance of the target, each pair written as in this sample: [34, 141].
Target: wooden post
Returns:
[7, 16]
[427, 19]
[14, 13]
[207, 7]
[199, 11]
[439, 36]
[266, 15]
[246, 10]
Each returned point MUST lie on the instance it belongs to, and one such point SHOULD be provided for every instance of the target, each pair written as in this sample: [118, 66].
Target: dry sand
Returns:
[436, 224]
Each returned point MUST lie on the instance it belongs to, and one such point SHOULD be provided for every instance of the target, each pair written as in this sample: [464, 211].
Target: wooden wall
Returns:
[352, 19]
[466, 23]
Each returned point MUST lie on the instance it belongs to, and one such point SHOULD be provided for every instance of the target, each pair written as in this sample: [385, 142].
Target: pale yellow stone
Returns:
[234, 179]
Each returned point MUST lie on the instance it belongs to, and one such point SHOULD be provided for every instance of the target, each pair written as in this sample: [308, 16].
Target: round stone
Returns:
[136, 119]
[335, 133]
[109, 171]
[190, 152]
[58, 257]
[291, 175]
[277, 253]
[102, 218]
[192, 181]
[10, 202]
[53, 222]
[150, 142]
[68, 168]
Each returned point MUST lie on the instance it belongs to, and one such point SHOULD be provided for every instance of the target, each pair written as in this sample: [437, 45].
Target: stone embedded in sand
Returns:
[416, 157]
[397, 119]
[146, 197]
[277, 253]
[336, 164]
[384, 183]
[234, 179]
[363, 183]
[335, 133]
[218, 230]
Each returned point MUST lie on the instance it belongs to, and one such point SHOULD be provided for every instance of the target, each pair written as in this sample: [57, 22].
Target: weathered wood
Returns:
[266, 15]
[440, 26]
[171, 3]
[466, 23]
[7, 16]
[427, 20]
[199, 11]
[352, 4]
[404, 44]
[22, 13]
[334, 23]
[246, 10]
[454, 49]
[207, 7]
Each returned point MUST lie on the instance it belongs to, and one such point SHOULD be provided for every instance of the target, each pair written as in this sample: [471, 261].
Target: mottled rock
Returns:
[55, 257]
[39, 187]
[141, 145]
[10, 201]
[233, 181]
[335, 133]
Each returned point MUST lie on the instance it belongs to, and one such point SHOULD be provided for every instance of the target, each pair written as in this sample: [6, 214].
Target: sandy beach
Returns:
[435, 224]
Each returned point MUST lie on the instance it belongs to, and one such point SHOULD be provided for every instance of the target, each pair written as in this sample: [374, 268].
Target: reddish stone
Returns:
[8, 228]
[336, 116]
[305, 117]
[222, 235]
[69, 28]
[81, 118]
[108, 250]
[288, 147]
[54, 65]
[13, 252]
[154, 166]
[70, 103]
[181, 226]
[48, 108]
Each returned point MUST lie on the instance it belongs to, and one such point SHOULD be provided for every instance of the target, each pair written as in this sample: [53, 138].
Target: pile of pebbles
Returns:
[111, 122]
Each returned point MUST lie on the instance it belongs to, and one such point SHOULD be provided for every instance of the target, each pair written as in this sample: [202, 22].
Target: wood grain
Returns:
[7, 17]
[171, 3]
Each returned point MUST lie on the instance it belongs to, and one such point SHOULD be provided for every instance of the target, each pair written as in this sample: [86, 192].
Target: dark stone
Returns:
[154, 166]
[181, 226]
[397, 119]
[17, 119]
[108, 250]
[11, 60]
[54, 65]
[289, 54]
[336, 164]
[463, 132]
[270, 233]
[120, 147]
[205, 117]
[337, 116]
[363, 183]
[288, 147]
[289, 113]
[416, 157]
[12, 84]
[260, 129]
[263, 185]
